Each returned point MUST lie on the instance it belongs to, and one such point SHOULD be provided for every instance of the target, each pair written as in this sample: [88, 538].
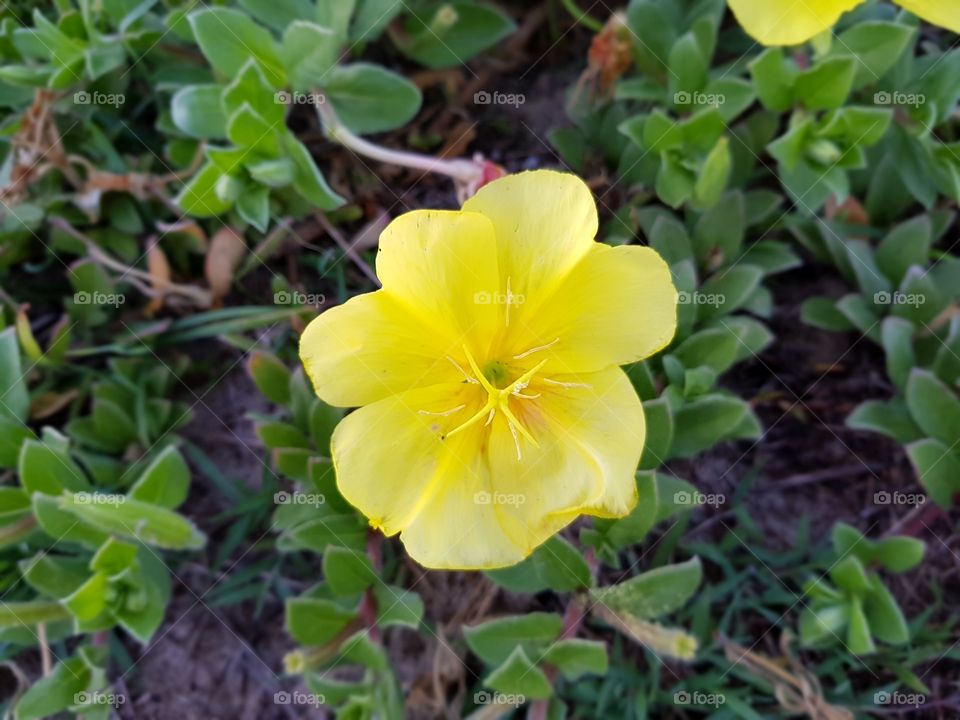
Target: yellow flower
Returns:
[790, 22]
[492, 412]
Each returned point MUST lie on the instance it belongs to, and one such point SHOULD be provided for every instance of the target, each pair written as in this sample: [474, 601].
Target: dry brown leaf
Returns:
[227, 249]
[159, 269]
[50, 403]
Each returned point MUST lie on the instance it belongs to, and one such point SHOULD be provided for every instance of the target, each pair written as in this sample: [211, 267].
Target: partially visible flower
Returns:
[790, 22]
[493, 412]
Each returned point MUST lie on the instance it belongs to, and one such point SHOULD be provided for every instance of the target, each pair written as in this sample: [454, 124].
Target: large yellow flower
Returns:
[493, 412]
[789, 22]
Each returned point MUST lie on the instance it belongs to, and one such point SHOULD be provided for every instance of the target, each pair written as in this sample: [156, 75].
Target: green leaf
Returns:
[714, 347]
[250, 87]
[897, 337]
[165, 481]
[556, 565]
[279, 14]
[53, 575]
[250, 130]
[47, 470]
[62, 525]
[13, 386]
[131, 518]
[195, 110]
[271, 376]
[891, 418]
[347, 572]
[90, 599]
[456, 32]
[396, 606]
[308, 180]
[938, 470]
[688, 67]
[859, 640]
[517, 675]
[314, 621]
[55, 692]
[899, 553]
[114, 557]
[253, 206]
[774, 78]
[199, 196]
[368, 98]
[821, 312]
[731, 288]
[934, 406]
[228, 38]
[876, 46]
[706, 421]
[654, 593]
[827, 84]
[494, 640]
[906, 245]
[659, 439]
[884, 615]
[675, 183]
[849, 574]
[575, 657]
[309, 52]
[713, 176]
[13, 433]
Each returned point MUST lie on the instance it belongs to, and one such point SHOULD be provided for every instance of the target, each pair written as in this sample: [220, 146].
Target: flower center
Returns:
[491, 377]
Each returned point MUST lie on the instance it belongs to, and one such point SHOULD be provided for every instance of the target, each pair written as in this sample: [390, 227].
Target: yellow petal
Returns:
[442, 266]
[617, 306]
[788, 22]
[370, 348]
[945, 13]
[545, 222]
[389, 455]
[468, 502]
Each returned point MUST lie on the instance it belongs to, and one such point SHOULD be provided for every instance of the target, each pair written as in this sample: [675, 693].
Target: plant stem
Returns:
[589, 22]
[462, 171]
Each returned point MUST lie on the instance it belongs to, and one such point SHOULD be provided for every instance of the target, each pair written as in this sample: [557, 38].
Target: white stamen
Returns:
[469, 378]
[516, 439]
[445, 413]
[493, 411]
[531, 351]
[568, 385]
[525, 397]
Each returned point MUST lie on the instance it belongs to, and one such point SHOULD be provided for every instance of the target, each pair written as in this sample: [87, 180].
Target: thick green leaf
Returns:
[934, 406]
[195, 110]
[347, 572]
[165, 481]
[228, 38]
[495, 640]
[519, 676]
[368, 98]
[937, 468]
[314, 621]
[654, 593]
[556, 565]
[576, 657]
[456, 32]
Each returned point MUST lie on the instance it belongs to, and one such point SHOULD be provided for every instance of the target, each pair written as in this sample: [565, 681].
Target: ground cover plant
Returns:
[475, 358]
